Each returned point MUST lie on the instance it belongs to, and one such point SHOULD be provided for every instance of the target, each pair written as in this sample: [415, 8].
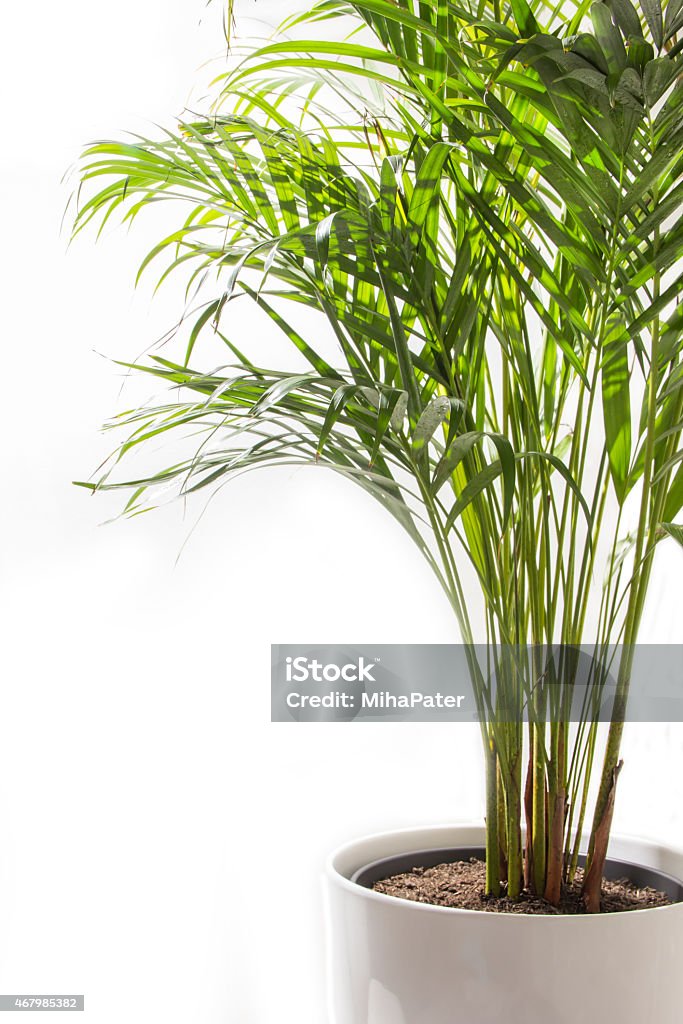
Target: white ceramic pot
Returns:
[392, 961]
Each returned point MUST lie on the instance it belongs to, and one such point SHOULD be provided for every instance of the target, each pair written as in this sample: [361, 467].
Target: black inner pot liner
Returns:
[403, 863]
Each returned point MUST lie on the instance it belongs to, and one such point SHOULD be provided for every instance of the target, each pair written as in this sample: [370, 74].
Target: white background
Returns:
[160, 842]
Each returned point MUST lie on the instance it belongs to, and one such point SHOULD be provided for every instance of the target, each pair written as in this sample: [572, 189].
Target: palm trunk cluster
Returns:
[543, 859]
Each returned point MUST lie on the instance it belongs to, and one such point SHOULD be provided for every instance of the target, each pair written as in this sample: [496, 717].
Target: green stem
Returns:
[492, 811]
[514, 842]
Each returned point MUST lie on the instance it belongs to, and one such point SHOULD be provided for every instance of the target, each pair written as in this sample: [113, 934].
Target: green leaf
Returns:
[458, 450]
[438, 410]
[673, 19]
[388, 196]
[674, 498]
[281, 389]
[454, 454]
[587, 46]
[427, 190]
[640, 53]
[653, 15]
[587, 76]
[506, 456]
[616, 404]
[626, 17]
[674, 530]
[338, 402]
[400, 410]
[212, 310]
[402, 348]
[657, 78]
[526, 22]
[483, 480]
[609, 37]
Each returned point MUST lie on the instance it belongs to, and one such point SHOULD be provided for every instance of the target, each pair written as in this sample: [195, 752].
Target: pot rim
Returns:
[409, 906]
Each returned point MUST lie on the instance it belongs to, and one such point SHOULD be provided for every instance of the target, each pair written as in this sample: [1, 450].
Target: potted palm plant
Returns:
[478, 208]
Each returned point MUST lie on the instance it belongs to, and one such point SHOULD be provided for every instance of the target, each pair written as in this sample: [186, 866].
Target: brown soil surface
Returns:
[462, 885]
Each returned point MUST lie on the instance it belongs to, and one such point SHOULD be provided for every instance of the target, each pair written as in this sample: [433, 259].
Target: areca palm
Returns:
[481, 204]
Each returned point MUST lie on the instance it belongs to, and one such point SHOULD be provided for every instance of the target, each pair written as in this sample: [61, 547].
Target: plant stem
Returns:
[492, 836]
[556, 811]
[514, 841]
[539, 840]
